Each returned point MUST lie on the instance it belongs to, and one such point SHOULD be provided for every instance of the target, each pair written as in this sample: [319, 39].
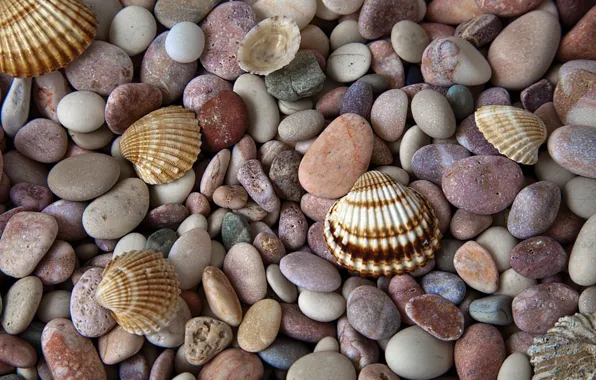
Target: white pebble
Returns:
[81, 111]
[133, 29]
[185, 42]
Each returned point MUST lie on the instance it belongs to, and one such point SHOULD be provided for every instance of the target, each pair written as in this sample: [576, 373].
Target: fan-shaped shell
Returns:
[162, 145]
[382, 228]
[141, 290]
[41, 36]
[566, 351]
[269, 45]
[516, 133]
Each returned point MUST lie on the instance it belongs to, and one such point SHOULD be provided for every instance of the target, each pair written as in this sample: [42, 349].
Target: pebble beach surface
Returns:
[429, 93]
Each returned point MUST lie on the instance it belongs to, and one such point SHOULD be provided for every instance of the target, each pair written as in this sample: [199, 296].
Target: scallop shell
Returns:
[567, 351]
[140, 288]
[269, 45]
[41, 36]
[516, 133]
[382, 228]
[162, 145]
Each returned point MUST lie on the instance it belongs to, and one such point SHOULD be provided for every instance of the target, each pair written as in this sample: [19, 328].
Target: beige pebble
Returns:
[215, 220]
[218, 254]
[302, 11]
[215, 173]
[289, 108]
[263, 114]
[579, 195]
[96, 139]
[587, 300]
[20, 304]
[433, 114]
[172, 335]
[133, 29]
[328, 343]
[55, 304]
[349, 62]
[205, 337]
[191, 222]
[345, 33]
[312, 37]
[325, 13]
[499, 242]
[118, 345]
[581, 270]
[282, 287]
[413, 139]
[222, 299]
[244, 268]
[81, 111]
[190, 255]
[512, 283]
[515, 367]
[322, 365]
[233, 197]
[409, 40]
[322, 307]
[260, 326]
[131, 242]
[547, 169]
[173, 192]
[181, 364]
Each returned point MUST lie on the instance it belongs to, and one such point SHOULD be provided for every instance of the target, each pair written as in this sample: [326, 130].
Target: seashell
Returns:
[140, 288]
[269, 45]
[381, 228]
[41, 36]
[567, 351]
[162, 145]
[515, 133]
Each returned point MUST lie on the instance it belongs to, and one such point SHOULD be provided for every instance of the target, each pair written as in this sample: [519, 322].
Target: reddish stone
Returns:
[386, 62]
[193, 301]
[298, 326]
[476, 267]
[130, 102]
[223, 120]
[16, 352]
[437, 316]
[233, 363]
[479, 353]
[507, 8]
[169, 216]
[580, 42]
[435, 30]
[452, 12]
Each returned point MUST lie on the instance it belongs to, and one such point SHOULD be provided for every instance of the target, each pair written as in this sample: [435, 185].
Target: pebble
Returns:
[495, 310]
[431, 161]
[587, 300]
[537, 94]
[516, 366]
[322, 307]
[444, 256]
[512, 283]
[388, 114]
[117, 212]
[535, 310]
[283, 288]
[330, 103]
[301, 125]
[480, 30]
[293, 226]
[221, 296]
[572, 147]
[284, 352]
[377, 17]
[57, 264]
[81, 111]
[345, 33]
[295, 324]
[479, 353]
[313, 37]
[452, 12]
[88, 316]
[461, 100]
[476, 267]
[244, 268]
[581, 254]
[48, 90]
[377, 371]
[469, 136]
[401, 289]
[134, 367]
[20, 304]
[42, 140]
[197, 203]
[68, 354]
[158, 69]
[301, 78]
[32, 197]
[172, 334]
[315, 207]
[253, 212]
[269, 151]
[215, 173]
[328, 343]
[499, 242]
[358, 100]
[173, 192]
[534, 209]
[263, 114]
[433, 114]
[409, 40]
[359, 349]
[202, 88]
[284, 175]
[163, 366]
[16, 352]
[322, 171]
[330, 365]
[118, 345]
[54, 304]
[94, 174]
[445, 284]
[185, 42]
[372, 313]
[221, 128]
[131, 242]
[538, 257]
[205, 337]
[547, 169]
[438, 202]
[171, 12]
[573, 98]
[128, 103]
[412, 344]
[100, 69]
[132, 29]
[519, 342]
[233, 197]
[576, 43]
[386, 62]
[522, 53]
[69, 216]
[310, 272]
[579, 195]
[260, 326]
[233, 362]
[491, 183]
[215, 221]
[169, 215]
[224, 29]
[548, 114]
[183, 367]
[466, 225]
[436, 30]
[465, 66]
[235, 230]
[190, 255]
[437, 316]
[254, 180]
[105, 12]
[349, 62]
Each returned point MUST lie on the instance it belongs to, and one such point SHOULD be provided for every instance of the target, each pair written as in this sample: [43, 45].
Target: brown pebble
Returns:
[298, 326]
[223, 120]
[355, 346]
[476, 267]
[437, 316]
[479, 353]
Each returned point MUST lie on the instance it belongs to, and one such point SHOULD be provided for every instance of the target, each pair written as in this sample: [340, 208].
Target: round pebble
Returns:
[322, 307]
[534, 209]
[516, 366]
[330, 365]
[128, 103]
[81, 111]
[495, 310]
[431, 161]
[57, 264]
[133, 29]
[372, 313]
[409, 40]
[447, 285]
[55, 304]
[388, 114]
[538, 257]
[185, 42]
[572, 147]
[480, 352]
[349, 62]
[283, 352]
[42, 140]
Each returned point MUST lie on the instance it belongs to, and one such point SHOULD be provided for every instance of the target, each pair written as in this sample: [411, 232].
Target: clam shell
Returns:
[41, 36]
[566, 351]
[515, 133]
[140, 288]
[269, 45]
[162, 145]
[381, 228]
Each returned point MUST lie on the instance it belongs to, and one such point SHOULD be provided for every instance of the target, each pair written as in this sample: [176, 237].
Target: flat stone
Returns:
[495, 310]
[437, 316]
[476, 267]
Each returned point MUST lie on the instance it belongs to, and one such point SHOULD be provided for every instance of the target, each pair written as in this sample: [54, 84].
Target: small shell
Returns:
[382, 228]
[140, 288]
[38, 37]
[567, 351]
[269, 45]
[163, 145]
[516, 133]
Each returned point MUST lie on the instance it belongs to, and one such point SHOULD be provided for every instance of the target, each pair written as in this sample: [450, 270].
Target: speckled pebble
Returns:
[20, 304]
[431, 161]
[480, 30]
[466, 225]
[358, 99]
[361, 350]
[234, 230]
[574, 148]
[204, 338]
[538, 257]
[310, 272]
[534, 209]
[244, 268]
[284, 175]
[479, 353]
[476, 267]
[448, 285]
[469, 136]
[42, 140]
[88, 316]
[258, 186]
[372, 313]
[129, 102]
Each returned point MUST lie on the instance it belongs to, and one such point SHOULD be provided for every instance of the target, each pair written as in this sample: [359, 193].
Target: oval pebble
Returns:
[580, 195]
[88, 316]
[81, 111]
[574, 148]
[349, 62]
[437, 316]
[69, 216]
[494, 310]
[580, 272]
[20, 304]
[431, 161]
[322, 307]
[465, 225]
[447, 285]
[372, 313]
[263, 114]
[284, 175]
[479, 353]
[223, 120]
[301, 125]
[388, 114]
[221, 296]
[16, 352]
[190, 255]
[244, 268]
[172, 334]
[185, 42]
[534, 209]
[128, 103]
[132, 29]
[118, 345]
[295, 324]
[516, 366]
[310, 272]
[283, 352]
[233, 362]
[476, 267]
[330, 365]
[42, 140]
[57, 264]
[538, 257]
[54, 304]
[260, 326]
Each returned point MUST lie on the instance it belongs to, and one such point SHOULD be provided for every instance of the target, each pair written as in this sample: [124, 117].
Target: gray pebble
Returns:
[447, 285]
[495, 310]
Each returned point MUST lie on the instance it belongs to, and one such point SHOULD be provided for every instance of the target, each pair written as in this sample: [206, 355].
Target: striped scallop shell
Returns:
[381, 228]
[515, 133]
[269, 45]
[567, 351]
[141, 290]
[41, 36]
[162, 145]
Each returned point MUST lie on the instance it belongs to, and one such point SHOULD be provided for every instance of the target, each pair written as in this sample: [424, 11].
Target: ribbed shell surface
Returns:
[41, 36]
[515, 133]
[382, 228]
[141, 290]
[163, 145]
